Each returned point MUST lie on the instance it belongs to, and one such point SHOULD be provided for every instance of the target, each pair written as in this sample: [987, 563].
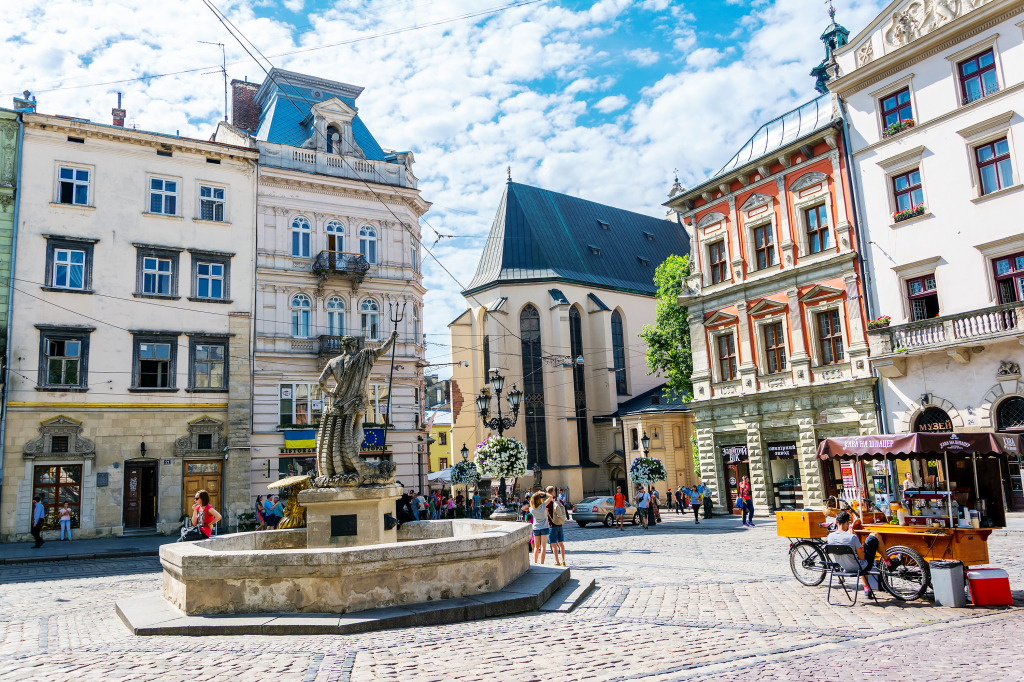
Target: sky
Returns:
[601, 99]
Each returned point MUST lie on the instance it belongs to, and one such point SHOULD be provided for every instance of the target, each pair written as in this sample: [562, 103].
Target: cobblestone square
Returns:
[677, 602]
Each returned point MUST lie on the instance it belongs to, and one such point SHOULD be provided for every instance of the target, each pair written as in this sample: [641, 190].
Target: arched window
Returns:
[933, 419]
[533, 387]
[619, 354]
[1010, 416]
[301, 309]
[333, 140]
[579, 384]
[369, 314]
[335, 236]
[368, 243]
[301, 231]
[335, 316]
[487, 359]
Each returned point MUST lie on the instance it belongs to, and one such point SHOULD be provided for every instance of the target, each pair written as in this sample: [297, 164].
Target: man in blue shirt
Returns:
[476, 505]
[38, 514]
[643, 501]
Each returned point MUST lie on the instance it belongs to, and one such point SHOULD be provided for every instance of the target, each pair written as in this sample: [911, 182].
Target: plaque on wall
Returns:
[102, 479]
[783, 450]
[343, 524]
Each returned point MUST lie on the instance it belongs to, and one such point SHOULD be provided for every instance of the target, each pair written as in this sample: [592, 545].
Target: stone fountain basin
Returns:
[274, 571]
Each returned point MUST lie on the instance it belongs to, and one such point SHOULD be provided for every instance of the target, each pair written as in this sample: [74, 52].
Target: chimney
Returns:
[245, 113]
[26, 104]
[118, 113]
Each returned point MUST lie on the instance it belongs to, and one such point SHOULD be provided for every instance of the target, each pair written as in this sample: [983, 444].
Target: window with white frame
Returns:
[156, 275]
[68, 269]
[154, 362]
[211, 203]
[368, 243]
[725, 345]
[163, 196]
[302, 235]
[335, 316]
[209, 280]
[301, 309]
[369, 314]
[300, 404]
[73, 185]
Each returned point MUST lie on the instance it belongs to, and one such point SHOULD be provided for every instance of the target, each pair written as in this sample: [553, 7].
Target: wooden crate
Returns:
[800, 524]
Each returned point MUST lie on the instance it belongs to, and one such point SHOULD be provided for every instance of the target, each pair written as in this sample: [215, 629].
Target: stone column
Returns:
[701, 376]
[711, 470]
[784, 236]
[759, 475]
[748, 362]
[810, 468]
[843, 227]
[237, 475]
[799, 358]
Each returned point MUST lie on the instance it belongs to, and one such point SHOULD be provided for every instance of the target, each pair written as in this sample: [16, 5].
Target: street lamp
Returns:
[646, 443]
[465, 458]
[465, 452]
[499, 423]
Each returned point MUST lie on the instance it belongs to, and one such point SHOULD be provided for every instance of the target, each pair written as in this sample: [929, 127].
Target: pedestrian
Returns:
[451, 508]
[652, 508]
[643, 501]
[705, 493]
[679, 500]
[203, 514]
[746, 502]
[431, 507]
[276, 512]
[620, 506]
[557, 519]
[541, 527]
[476, 504]
[258, 508]
[38, 514]
[695, 500]
[65, 520]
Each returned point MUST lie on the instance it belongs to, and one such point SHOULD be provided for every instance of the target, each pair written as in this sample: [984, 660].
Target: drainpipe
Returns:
[10, 302]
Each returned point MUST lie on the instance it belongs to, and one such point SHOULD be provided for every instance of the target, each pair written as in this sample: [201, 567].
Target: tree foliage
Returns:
[668, 341]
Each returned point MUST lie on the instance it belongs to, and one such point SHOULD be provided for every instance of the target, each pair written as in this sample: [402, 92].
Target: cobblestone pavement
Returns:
[678, 602]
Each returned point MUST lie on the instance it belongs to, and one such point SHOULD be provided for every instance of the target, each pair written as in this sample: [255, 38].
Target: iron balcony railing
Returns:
[351, 265]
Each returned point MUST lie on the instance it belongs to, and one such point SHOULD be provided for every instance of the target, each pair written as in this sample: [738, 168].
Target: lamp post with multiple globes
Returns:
[499, 423]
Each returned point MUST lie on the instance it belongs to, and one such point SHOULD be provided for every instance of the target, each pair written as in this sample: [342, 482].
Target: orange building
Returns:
[775, 302]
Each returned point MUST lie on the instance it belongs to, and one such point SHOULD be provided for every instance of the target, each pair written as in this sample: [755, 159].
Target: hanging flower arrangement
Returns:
[501, 457]
[647, 470]
[464, 473]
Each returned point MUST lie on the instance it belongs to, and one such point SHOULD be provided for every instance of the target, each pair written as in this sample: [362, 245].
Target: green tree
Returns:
[668, 341]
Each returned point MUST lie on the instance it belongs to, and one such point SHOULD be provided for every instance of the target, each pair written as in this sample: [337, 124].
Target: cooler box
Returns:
[989, 587]
[800, 524]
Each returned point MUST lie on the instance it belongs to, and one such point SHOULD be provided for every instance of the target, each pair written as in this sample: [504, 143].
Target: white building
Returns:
[337, 254]
[130, 347]
[933, 94]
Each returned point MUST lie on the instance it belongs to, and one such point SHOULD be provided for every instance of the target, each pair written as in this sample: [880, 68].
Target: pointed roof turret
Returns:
[834, 37]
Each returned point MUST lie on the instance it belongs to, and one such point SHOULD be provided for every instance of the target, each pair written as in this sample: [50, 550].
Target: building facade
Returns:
[562, 290]
[338, 254]
[442, 455]
[775, 303]
[131, 328]
[933, 106]
[667, 420]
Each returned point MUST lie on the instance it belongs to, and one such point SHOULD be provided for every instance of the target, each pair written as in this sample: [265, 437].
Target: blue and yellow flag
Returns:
[303, 439]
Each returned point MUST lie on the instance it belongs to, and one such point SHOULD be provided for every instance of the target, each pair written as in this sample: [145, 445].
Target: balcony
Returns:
[351, 266]
[330, 346]
[321, 163]
[955, 335]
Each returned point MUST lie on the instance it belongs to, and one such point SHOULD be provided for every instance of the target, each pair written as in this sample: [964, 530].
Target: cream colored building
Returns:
[668, 422]
[130, 353]
[337, 254]
[563, 288]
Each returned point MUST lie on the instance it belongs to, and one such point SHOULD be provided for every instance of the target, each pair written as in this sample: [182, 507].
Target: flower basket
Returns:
[898, 127]
[501, 457]
[907, 213]
[464, 473]
[647, 470]
[879, 322]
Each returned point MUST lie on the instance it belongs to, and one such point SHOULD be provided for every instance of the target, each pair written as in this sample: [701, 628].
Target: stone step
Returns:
[569, 597]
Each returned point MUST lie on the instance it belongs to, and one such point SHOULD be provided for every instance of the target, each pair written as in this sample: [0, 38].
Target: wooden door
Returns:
[734, 473]
[201, 475]
[132, 496]
[147, 497]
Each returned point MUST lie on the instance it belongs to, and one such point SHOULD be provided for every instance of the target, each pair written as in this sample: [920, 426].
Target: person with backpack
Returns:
[679, 500]
[556, 536]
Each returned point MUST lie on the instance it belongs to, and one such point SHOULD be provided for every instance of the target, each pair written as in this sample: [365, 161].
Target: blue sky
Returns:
[597, 98]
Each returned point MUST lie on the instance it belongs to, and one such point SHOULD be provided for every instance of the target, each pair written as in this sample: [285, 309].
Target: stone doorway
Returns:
[140, 494]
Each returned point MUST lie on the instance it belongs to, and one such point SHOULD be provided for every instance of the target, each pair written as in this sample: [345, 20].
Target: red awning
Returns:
[905, 445]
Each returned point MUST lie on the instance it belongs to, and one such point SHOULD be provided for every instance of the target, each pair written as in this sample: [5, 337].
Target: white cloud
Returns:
[610, 104]
[294, 5]
[643, 56]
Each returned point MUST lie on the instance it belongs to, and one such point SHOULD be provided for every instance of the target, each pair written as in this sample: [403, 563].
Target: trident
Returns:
[396, 317]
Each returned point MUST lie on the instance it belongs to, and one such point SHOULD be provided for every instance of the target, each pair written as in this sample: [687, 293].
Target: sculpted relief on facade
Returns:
[921, 17]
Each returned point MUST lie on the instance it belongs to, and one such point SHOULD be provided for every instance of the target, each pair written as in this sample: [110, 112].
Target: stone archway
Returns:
[906, 422]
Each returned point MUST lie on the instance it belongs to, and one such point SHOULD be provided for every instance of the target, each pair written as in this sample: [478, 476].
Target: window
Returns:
[726, 357]
[830, 337]
[368, 243]
[906, 189]
[1010, 416]
[155, 362]
[163, 196]
[775, 347]
[924, 300]
[716, 259]
[60, 443]
[72, 186]
[301, 309]
[63, 354]
[764, 246]
[634, 439]
[370, 319]
[442, 438]
[335, 316]
[487, 359]
[204, 441]
[378, 412]
[579, 384]
[56, 485]
[68, 269]
[896, 108]
[300, 404]
[414, 258]
[994, 168]
[444, 462]
[336, 240]
[533, 386]
[301, 237]
[209, 280]
[933, 419]
[209, 364]
[333, 139]
[1009, 274]
[416, 327]
[211, 203]
[817, 228]
[978, 76]
[619, 354]
[156, 276]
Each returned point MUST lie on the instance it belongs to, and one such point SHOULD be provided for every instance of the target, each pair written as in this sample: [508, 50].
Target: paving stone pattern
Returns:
[678, 602]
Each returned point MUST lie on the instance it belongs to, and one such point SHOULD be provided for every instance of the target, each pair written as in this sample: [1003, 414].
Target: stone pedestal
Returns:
[349, 517]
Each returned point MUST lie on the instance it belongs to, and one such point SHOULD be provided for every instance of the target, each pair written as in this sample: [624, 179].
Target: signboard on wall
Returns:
[734, 453]
[783, 450]
[849, 476]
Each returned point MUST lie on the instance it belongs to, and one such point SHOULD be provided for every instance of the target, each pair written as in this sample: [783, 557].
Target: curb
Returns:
[114, 554]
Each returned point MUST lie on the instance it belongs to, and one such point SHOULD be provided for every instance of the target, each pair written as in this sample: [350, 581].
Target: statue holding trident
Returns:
[341, 426]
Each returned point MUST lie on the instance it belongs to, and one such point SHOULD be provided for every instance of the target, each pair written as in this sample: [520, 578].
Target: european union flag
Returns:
[373, 438]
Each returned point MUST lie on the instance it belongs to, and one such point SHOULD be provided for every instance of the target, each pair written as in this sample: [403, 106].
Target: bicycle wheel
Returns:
[908, 576]
[807, 562]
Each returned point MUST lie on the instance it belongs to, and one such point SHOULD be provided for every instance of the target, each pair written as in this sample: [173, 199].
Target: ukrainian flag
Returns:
[303, 439]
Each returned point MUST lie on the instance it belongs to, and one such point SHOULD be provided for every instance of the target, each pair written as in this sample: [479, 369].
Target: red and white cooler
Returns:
[989, 587]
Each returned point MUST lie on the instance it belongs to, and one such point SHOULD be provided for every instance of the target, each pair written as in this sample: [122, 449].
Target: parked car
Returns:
[601, 510]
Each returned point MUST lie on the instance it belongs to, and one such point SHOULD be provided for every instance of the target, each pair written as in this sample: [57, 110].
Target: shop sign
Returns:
[849, 476]
[784, 450]
[734, 453]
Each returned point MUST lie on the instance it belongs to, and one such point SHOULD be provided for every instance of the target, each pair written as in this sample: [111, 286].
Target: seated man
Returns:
[843, 536]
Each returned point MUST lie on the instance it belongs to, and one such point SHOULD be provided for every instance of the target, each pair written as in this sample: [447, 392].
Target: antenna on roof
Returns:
[224, 70]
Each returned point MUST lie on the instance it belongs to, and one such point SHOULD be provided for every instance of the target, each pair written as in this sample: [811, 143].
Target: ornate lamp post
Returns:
[645, 443]
[465, 458]
[499, 423]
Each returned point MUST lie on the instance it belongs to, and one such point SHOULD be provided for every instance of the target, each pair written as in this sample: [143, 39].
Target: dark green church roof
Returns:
[541, 236]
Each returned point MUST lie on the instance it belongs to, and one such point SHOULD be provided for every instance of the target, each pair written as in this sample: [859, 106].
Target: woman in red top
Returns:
[204, 515]
[747, 504]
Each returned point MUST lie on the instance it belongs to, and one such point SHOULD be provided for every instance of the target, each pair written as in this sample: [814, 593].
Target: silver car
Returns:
[601, 510]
